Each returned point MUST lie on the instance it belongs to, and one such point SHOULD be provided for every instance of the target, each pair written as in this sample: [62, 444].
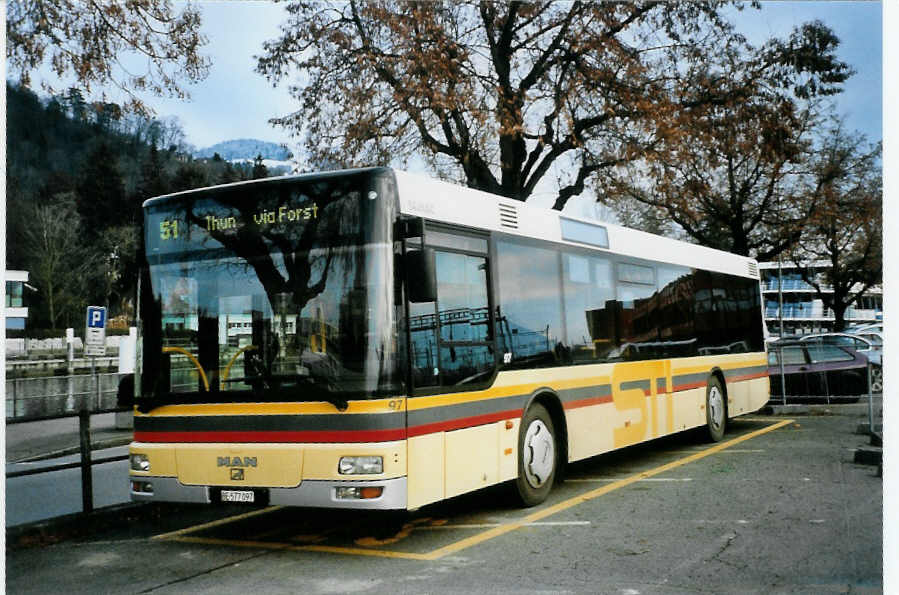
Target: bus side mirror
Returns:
[421, 275]
[125, 394]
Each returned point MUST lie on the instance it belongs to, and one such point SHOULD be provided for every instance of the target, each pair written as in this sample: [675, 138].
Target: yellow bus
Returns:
[376, 339]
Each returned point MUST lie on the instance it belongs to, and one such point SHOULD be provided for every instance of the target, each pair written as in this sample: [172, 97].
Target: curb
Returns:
[71, 450]
[869, 455]
[859, 409]
[77, 524]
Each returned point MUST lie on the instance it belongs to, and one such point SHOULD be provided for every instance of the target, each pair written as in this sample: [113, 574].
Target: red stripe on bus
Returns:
[274, 436]
[749, 377]
[588, 402]
[463, 422]
[691, 385]
[682, 387]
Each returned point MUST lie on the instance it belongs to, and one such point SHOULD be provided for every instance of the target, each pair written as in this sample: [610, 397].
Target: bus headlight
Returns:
[360, 465]
[140, 462]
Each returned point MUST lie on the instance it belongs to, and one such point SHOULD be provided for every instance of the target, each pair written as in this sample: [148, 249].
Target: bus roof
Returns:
[158, 200]
[421, 196]
[441, 201]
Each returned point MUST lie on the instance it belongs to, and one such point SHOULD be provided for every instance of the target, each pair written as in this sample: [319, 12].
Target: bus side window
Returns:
[588, 292]
[530, 305]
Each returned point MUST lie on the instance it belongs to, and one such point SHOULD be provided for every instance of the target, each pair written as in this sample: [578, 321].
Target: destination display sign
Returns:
[251, 220]
[206, 223]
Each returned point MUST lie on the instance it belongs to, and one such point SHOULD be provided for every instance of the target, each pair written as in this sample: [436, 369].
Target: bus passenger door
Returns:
[451, 339]
[451, 350]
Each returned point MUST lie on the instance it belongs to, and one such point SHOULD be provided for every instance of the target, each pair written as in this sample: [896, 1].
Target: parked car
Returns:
[868, 343]
[857, 329]
[814, 369]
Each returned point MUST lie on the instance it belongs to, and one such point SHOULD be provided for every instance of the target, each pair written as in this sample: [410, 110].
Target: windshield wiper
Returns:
[274, 383]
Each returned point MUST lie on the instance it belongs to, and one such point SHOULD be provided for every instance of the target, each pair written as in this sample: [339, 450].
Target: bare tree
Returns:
[731, 174]
[58, 261]
[844, 232]
[499, 94]
[90, 41]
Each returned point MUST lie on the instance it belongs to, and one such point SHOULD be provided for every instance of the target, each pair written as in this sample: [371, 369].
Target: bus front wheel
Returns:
[715, 410]
[536, 456]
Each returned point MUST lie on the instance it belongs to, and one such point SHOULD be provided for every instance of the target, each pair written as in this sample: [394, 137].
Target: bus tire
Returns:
[537, 456]
[715, 409]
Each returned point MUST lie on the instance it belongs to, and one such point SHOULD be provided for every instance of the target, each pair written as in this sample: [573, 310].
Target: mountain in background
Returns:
[246, 149]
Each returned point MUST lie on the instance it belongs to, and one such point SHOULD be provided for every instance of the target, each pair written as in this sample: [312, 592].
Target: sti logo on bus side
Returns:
[236, 461]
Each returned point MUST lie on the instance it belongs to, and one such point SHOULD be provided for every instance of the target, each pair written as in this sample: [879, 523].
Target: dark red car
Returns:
[817, 370]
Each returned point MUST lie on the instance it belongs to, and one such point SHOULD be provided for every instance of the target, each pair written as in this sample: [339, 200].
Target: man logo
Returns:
[236, 461]
[237, 474]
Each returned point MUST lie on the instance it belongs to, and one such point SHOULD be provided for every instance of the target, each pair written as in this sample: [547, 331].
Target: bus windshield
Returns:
[273, 292]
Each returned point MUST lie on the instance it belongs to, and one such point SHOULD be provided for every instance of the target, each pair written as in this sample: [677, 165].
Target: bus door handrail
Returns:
[231, 363]
[193, 360]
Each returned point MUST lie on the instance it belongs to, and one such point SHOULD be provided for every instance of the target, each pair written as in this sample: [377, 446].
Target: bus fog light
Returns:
[142, 487]
[358, 493]
[140, 462]
[348, 493]
[360, 465]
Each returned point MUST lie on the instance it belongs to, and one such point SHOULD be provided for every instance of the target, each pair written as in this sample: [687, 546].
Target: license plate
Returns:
[238, 496]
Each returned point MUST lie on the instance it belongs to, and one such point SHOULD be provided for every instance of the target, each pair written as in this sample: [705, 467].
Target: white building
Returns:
[14, 309]
[804, 311]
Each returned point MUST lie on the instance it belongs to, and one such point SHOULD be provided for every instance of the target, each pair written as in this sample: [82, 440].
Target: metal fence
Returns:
[85, 464]
[53, 397]
[869, 401]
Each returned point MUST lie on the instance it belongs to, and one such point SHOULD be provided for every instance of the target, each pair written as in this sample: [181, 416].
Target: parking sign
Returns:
[95, 331]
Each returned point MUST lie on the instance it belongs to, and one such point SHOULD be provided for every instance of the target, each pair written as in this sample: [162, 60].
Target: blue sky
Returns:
[236, 102]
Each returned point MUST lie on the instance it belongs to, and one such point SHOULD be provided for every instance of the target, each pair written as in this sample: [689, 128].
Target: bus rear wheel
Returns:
[715, 410]
[536, 456]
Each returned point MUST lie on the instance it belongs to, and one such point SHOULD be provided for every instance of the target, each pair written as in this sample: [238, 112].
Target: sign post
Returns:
[95, 332]
[95, 342]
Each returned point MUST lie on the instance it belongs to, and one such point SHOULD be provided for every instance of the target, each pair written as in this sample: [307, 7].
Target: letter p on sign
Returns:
[95, 334]
[96, 317]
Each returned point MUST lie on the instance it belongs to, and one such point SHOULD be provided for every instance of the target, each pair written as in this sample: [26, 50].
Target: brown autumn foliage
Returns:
[732, 174]
[505, 96]
[497, 93]
[90, 42]
[845, 229]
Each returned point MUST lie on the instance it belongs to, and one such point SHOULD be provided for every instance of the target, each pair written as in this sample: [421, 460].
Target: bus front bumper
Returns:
[311, 493]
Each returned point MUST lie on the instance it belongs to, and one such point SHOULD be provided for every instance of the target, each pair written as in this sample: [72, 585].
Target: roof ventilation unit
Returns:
[508, 216]
[753, 269]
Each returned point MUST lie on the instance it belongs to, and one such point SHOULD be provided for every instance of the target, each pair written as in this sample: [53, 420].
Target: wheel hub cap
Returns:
[716, 407]
[539, 454]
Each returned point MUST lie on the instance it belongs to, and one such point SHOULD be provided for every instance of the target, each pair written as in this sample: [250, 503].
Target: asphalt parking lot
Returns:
[778, 506]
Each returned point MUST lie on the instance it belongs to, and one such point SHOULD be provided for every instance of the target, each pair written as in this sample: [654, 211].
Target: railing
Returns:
[807, 311]
[86, 462]
[55, 397]
[794, 285]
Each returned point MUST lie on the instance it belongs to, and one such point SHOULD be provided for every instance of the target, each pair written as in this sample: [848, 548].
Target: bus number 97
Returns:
[168, 230]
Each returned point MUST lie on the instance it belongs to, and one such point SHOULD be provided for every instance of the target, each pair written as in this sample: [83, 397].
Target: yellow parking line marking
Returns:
[728, 451]
[494, 531]
[355, 551]
[262, 545]
[275, 545]
[571, 502]
[610, 479]
[217, 523]
[491, 525]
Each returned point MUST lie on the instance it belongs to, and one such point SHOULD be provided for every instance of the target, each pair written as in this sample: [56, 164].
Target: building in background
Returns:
[804, 310]
[14, 307]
